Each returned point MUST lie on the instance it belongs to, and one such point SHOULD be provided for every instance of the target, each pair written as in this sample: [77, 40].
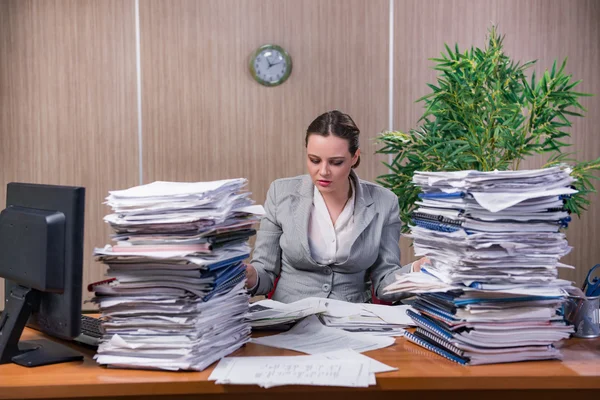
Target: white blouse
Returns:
[329, 243]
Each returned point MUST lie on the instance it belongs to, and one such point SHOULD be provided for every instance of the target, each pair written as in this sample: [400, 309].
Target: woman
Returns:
[328, 234]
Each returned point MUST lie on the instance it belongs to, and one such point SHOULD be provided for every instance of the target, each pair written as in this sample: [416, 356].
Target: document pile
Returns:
[175, 297]
[312, 337]
[337, 368]
[374, 319]
[491, 293]
[352, 317]
[272, 314]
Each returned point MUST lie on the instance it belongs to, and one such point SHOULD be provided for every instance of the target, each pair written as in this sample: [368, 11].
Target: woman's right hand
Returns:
[251, 276]
[416, 266]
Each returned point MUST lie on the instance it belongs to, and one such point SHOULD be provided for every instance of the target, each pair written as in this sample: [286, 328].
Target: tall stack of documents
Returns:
[174, 297]
[491, 293]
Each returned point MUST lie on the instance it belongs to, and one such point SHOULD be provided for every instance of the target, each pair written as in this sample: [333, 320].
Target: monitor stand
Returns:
[18, 307]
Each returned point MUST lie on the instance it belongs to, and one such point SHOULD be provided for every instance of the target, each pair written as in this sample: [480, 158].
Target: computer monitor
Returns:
[41, 258]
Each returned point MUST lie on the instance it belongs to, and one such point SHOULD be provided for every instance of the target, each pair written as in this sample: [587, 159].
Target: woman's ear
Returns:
[355, 157]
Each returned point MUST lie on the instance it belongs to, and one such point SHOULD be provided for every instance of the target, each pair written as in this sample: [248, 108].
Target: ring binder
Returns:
[425, 323]
[436, 218]
[434, 226]
[436, 340]
[423, 343]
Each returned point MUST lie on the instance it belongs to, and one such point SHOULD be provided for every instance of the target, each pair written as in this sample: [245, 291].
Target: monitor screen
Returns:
[41, 255]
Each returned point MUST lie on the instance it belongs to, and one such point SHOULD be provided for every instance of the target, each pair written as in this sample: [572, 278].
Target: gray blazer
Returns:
[282, 249]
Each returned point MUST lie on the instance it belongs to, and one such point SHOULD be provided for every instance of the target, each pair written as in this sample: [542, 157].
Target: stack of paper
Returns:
[197, 217]
[175, 297]
[352, 317]
[271, 313]
[312, 337]
[491, 293]
[338, 368]
[374, 319]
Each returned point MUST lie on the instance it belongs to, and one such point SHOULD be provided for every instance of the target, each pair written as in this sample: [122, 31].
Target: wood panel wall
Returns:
[542, 30]
[68, 102]
[204, 116]
[68, 108]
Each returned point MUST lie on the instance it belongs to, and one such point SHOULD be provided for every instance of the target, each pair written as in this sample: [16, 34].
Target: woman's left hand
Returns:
[416, 267]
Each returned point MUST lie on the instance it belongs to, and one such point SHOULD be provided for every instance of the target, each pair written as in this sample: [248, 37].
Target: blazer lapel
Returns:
[304, 199]
[363, 210]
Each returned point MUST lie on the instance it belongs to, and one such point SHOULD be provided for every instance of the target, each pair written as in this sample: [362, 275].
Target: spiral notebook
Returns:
[430, 325]
[437, 313]
[435, 340]
[434, 225]
[437, 218]
[435, 349]
[434, 337]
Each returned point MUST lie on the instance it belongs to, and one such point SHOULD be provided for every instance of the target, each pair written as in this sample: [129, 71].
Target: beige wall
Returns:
[67, 102]
[68, 88]
[204, 116]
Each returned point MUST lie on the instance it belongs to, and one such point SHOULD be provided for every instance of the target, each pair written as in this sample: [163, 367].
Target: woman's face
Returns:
[329, 162]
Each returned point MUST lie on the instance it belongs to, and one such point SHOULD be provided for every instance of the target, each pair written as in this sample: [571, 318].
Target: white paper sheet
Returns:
[301, 370]
[311, 337]
[374, 365]
[391, 314]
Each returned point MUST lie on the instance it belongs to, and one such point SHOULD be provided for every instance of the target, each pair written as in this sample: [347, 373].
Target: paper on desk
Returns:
[291, 370]
[224, 365]
[275, 309]
[347, 354]
[312, 337]
[391, 314]
[373, 366]
[340, 309]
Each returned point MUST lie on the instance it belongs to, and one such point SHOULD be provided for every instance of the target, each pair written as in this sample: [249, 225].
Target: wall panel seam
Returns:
[138, 68]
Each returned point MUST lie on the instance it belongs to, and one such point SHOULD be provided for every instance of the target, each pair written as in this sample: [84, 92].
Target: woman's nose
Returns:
[324, 170]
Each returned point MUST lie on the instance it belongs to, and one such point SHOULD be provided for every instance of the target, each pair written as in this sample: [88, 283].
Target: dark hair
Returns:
[338, 124]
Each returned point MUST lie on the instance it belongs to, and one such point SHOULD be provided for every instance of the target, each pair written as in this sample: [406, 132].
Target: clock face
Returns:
[270, 65]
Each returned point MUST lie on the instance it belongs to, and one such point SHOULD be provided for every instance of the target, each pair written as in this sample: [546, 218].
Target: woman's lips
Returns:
[324, 183]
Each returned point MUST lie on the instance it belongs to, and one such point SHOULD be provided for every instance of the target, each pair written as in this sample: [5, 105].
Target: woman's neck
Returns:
[340, 196]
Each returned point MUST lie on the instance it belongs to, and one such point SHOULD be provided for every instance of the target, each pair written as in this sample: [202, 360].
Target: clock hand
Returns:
[268, 62]
[273, 55]
[272, 65]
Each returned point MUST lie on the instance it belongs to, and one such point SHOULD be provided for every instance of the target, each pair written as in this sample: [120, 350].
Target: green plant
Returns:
[484, 114]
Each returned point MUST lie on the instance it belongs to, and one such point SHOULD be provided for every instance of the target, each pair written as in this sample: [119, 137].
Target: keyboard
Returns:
[91, 332]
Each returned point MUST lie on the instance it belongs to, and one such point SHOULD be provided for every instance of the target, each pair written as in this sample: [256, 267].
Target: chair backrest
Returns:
[375, 300]
[270, 294]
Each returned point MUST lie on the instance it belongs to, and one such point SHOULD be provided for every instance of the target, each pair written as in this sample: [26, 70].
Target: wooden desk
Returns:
[421, 374]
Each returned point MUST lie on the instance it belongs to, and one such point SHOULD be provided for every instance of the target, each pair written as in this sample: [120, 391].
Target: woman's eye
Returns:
[337, 163]
[314, 161]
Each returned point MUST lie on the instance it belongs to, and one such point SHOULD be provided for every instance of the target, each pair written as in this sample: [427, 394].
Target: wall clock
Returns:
[270, 65]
